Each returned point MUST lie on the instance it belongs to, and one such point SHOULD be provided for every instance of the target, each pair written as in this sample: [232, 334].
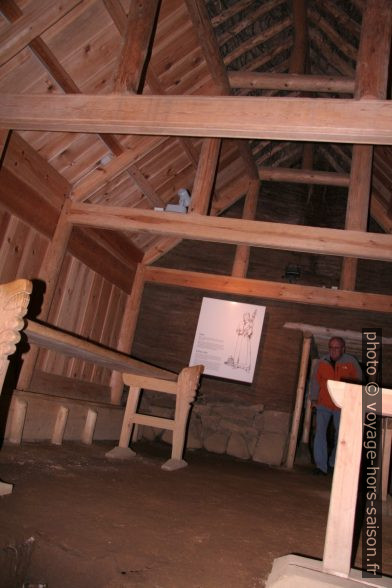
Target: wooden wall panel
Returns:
[84, 302]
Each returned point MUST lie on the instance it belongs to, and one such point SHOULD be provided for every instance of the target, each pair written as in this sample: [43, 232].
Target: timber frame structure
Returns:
[107, 108]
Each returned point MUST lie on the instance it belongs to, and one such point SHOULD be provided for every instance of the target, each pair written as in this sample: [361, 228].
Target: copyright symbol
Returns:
[372, 388]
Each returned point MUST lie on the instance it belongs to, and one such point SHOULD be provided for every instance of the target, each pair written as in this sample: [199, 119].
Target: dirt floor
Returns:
[96, 523]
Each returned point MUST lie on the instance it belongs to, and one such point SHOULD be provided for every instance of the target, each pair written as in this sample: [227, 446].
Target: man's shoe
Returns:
[318, 472]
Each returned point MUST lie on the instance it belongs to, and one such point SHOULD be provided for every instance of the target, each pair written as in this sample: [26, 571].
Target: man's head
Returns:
[336, 347]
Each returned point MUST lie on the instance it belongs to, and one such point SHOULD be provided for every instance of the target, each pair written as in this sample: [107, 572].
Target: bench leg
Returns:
[122, 451]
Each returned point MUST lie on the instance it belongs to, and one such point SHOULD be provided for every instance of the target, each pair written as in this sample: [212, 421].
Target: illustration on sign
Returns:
[227, 338]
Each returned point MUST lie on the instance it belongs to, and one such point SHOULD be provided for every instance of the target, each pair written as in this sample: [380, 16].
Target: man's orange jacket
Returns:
[346, 369]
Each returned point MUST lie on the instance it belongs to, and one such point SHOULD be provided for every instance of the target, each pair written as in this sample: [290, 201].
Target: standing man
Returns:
[339, 366]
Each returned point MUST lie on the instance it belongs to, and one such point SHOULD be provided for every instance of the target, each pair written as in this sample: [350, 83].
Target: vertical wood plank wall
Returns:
[84, 303]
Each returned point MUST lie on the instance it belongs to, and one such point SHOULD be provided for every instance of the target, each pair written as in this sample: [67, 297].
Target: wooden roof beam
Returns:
[270, 290]
[271, 235]
[303, 176]
[137, 42]
[202, 24]
[205, 176]
[291, 119]
[293, 82]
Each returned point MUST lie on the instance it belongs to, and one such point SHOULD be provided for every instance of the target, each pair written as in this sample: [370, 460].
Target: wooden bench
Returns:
[14, 299]
[184, 388]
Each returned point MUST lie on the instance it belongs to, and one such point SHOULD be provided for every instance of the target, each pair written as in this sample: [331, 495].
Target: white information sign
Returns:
[227, 338]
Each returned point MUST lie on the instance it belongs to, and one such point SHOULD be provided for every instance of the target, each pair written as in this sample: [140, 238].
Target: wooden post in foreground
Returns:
[299, 400]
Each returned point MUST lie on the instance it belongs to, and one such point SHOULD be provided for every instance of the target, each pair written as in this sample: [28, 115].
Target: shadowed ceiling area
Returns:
[88, 89]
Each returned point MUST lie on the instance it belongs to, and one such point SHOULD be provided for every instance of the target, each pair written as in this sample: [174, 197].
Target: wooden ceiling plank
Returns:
[136, 45]
[101, 176]
[117, 14]
[36, 20]
[298, 119]
[229, 230]
[371, 83]
[303, 176]
[205, 176]
[202, 24]
[13, 12]
[302, 83]
[270, 290]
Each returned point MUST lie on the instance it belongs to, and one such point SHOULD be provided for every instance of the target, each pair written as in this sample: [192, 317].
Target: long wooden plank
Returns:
[230, 230]
[293, 82]
[37, 19]
[51, 338]
[298, 119]
[270, 290]
[303, 176]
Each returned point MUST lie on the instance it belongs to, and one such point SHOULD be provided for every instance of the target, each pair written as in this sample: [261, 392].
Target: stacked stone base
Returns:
[244, 432]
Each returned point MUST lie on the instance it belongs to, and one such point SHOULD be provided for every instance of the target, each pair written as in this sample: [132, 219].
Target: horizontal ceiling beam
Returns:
[293, 82]
[247, 117]
[270, 235]
[270, 290]
[303, 176]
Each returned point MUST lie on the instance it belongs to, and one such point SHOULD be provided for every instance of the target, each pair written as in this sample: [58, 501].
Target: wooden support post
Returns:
[205, 176]
[307, 421]
[89, 427]
[123, 451]
[130, 410]
[59, 426]
[128, 328]
[241, 258]
[299, 400]
[49, 273]
[386, 456]
[371, 83]
[18, 421]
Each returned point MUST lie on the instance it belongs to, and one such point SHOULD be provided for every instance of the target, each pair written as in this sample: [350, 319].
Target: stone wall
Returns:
[244, 432]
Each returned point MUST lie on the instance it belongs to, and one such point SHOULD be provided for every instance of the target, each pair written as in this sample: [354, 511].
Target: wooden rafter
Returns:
[137, 40]
[201, 22]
